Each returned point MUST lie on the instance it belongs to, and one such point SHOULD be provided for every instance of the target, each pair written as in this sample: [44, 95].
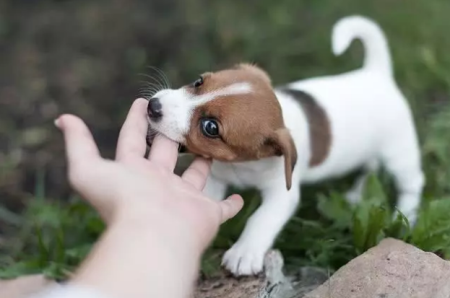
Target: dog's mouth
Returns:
[152, 133]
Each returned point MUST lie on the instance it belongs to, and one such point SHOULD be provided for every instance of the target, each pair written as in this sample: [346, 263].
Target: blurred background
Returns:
[91, 58]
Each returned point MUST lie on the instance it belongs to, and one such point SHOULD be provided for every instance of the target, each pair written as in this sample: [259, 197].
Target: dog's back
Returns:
[365, 108]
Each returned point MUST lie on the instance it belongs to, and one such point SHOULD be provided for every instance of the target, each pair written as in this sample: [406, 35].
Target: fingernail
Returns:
[57, 123]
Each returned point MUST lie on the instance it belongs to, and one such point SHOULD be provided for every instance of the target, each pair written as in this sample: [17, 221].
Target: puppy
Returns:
[276, 139]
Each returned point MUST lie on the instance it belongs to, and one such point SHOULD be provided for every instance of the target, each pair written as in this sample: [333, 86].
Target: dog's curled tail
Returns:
[377, 56]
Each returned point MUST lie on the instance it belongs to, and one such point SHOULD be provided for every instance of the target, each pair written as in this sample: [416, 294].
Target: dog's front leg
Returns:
[246, 257]
[215, 188]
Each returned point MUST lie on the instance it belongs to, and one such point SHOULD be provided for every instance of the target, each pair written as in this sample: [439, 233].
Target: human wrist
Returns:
[163, 226]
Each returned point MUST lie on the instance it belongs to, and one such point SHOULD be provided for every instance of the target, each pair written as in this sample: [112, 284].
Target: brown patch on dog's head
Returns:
[246, 125]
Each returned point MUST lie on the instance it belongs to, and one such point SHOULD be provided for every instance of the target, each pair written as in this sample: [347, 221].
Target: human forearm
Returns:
[130, 255]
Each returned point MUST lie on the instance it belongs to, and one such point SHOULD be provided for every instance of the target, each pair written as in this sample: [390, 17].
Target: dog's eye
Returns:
[198, 82]
[209, 128]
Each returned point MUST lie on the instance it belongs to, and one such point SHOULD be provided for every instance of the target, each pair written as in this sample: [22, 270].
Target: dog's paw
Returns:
[242, 259]
[409, 205]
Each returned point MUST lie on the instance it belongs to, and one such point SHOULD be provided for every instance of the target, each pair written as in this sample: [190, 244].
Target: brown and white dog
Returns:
[276, 139]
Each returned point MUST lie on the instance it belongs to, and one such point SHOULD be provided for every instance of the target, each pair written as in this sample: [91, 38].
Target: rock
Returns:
[227, 286]
[272, 284]
[306, 280]
[391, 269]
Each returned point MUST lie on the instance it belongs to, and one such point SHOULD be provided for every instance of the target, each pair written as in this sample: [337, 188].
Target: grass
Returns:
[53, 238]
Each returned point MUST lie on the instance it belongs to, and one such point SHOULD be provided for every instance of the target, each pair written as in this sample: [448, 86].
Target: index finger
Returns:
[164, 152]
[132, 137]
[80, 145]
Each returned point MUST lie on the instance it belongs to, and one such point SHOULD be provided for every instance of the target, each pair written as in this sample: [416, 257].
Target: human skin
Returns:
[158, 223]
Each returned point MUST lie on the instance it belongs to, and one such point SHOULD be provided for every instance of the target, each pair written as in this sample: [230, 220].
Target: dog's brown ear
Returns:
[282, 143]
[253, 68]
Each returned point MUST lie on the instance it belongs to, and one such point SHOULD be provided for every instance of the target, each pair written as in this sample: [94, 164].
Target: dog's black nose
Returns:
[154, 109]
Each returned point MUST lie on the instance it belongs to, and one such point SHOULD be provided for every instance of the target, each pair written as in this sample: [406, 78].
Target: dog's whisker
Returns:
[150, 86]
[146, 83]
[155, 83]
[158, 77]
[163, 76]
[161, 80]
[149, 90]
[147, 95]
[153, 79]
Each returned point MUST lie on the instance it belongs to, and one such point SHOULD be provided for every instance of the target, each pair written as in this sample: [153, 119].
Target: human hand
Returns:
[135, 189]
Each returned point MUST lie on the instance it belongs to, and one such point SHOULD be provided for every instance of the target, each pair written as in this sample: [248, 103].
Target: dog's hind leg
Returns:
[354, 194]
[402, 161]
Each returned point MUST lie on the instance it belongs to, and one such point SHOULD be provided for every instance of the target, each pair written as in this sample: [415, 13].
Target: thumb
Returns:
[230, 207]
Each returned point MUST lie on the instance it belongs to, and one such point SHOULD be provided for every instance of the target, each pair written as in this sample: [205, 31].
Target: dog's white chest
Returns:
[249, 174]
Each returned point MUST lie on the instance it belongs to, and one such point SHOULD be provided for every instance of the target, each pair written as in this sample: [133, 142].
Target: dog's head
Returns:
[229, 115]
